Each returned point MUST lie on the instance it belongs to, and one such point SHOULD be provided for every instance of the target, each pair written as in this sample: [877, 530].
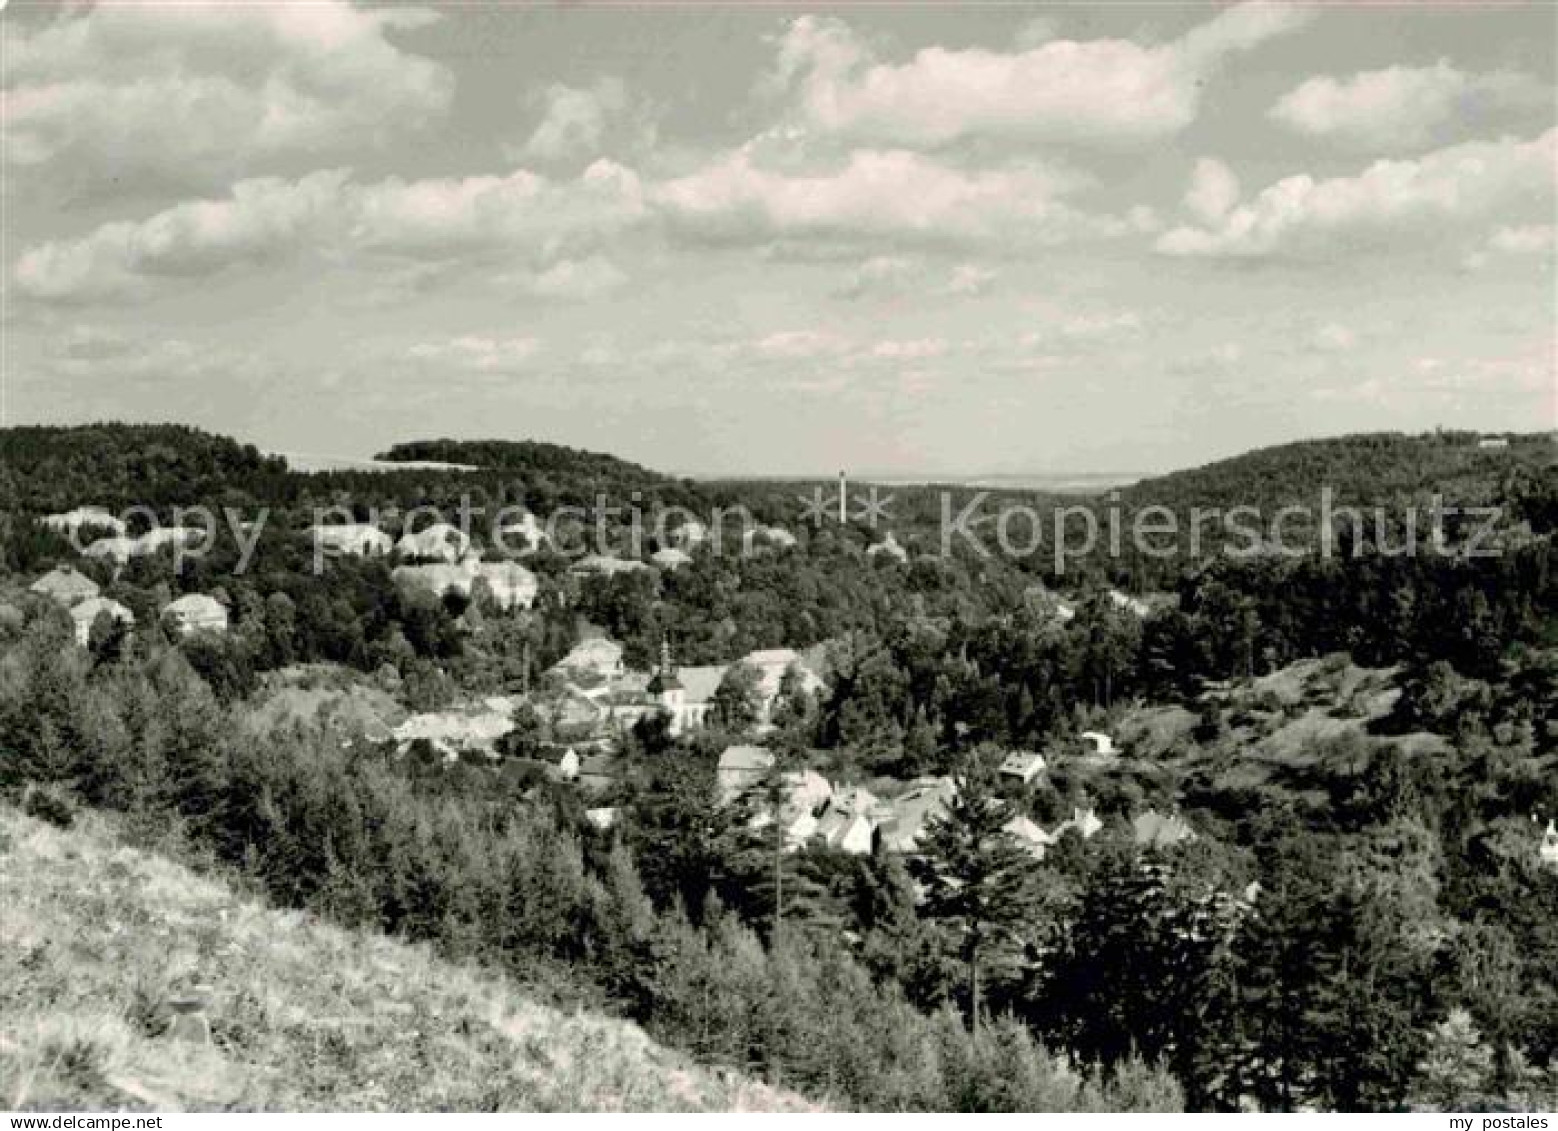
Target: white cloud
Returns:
[882, 276]
[877, 193]
[798, 345]
[190, 92]
[897, 276]
[970, 279]
[1333, 337]
[1528, 239]
[914, 349]
[1220, 358]
[478, 354]
[270, 218]
[1073, 331]
[1300, 214]
[1404, 107]
[1093, 91]
[1213, 190]
[587, 122]
[113, 357]
[575, 280]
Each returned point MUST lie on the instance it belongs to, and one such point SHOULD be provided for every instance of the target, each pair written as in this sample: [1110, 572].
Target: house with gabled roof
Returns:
[740, 768]
[847, 832]
[912, 811]
[65, 585]
[1154, 830]
[1084, 822]
[1022, 766]
[1030, 836]
[597, 655]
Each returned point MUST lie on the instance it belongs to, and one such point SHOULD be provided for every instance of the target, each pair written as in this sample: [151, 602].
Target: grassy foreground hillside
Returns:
[97, 939]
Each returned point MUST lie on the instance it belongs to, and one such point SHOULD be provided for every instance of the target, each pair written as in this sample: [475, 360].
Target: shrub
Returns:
[51, 804]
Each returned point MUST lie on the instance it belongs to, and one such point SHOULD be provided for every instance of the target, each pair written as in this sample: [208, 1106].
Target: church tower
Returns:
[666, 688]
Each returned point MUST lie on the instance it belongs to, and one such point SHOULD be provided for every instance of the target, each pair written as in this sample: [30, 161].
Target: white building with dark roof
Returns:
[196, 612]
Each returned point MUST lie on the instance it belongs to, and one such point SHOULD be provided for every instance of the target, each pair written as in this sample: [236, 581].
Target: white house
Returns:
[361, 539]
[1100, 742]
[670, 558]
[121, 548]
[1129, 604]
[85, 614]
[65, 585]
[1084, 821]
[771, 665]
[1022, 765]
[1548, 853]
[1029, 835]
[604, 565]
[807, 789]
[1153, 830]
[847, 832]
[912, 812]
[195, 612]
[603, 818]
[438, 542]
[597, 656]
[523, 533]
[475, 728]
[511, 584]
[71, 521]
[740, 768]
[690, 533]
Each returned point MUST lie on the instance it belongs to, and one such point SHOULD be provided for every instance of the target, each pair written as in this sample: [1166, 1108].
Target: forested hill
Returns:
[50, 468]
[1376, 468]
[521, 456]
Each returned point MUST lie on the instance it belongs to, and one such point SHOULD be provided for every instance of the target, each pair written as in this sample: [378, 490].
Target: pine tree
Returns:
[1456, 1068]
[979, 882]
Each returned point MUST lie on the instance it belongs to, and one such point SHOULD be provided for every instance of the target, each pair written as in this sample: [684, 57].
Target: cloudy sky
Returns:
[1121, 237]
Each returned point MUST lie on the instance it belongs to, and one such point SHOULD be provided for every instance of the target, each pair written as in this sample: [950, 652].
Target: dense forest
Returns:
[1361, 923]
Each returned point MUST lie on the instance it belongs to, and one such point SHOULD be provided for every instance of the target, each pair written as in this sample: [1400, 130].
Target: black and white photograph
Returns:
[712, 556]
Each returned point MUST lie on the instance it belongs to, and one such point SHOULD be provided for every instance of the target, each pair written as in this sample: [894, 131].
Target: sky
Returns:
[755, 239]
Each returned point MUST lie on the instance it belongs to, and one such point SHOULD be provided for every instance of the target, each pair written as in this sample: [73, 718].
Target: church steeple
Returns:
[664, 679]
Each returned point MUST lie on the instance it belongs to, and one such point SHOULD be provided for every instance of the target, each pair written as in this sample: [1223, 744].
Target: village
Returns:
[589, 701]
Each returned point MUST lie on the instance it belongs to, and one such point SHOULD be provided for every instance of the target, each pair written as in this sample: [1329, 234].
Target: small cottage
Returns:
[65, 586]
[195, 612]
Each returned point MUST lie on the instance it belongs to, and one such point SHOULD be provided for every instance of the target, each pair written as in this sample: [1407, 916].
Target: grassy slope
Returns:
[95, 937]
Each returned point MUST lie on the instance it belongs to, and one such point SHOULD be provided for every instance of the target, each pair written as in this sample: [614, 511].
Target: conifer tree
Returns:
[979, 882]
